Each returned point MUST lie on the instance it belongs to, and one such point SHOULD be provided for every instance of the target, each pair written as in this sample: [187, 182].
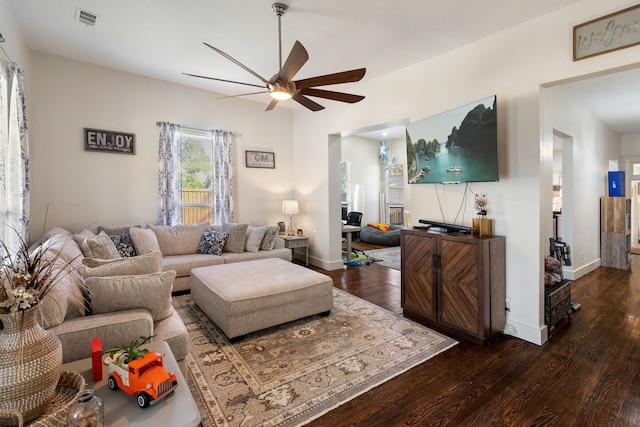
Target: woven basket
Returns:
[30, 366]
[69, 387]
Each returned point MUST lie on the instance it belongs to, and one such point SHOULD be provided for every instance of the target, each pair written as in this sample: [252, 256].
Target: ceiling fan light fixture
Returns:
[280, 93]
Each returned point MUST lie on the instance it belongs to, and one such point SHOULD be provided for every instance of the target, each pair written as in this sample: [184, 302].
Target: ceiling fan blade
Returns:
[242, 94]
[296, 59]
[223, 80]
[271, 105]
[303, 100]
[332, 79]
[238, 63]
[329, 94]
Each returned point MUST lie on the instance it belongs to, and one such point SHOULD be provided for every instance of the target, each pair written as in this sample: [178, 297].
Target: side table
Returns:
[120, 409]
[293, 242]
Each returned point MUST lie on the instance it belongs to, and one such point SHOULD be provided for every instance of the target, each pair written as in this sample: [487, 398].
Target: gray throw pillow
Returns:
[237, 234]
[102, 247]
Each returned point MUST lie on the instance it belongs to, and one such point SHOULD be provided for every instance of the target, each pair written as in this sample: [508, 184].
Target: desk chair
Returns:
[354, 218]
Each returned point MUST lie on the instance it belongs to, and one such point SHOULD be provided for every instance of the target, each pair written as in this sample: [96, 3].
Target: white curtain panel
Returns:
[14, 163]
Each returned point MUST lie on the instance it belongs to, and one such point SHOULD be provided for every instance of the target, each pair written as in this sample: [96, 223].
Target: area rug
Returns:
[389, 257]
[291, 374]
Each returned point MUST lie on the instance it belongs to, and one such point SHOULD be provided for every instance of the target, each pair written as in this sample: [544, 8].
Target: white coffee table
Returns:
[120, 409]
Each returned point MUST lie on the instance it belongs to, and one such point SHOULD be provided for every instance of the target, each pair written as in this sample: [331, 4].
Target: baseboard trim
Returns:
[533, 335]
[576, 273]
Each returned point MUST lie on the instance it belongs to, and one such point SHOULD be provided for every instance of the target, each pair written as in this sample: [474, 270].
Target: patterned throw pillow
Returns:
[124, 245]
[212, 242]
[269, 238]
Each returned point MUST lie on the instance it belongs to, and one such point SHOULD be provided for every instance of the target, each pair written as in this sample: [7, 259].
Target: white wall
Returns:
[512, 65]
[362, 153]
[83, 187]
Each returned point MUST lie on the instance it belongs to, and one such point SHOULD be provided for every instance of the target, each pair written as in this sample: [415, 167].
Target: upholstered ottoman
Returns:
[248, 296]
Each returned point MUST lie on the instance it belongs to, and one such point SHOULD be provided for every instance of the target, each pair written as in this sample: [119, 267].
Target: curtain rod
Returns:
[198, 129]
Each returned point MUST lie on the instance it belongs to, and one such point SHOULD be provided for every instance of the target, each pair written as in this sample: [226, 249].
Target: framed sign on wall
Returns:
[109, 141]
[260, 159]
[611, 32]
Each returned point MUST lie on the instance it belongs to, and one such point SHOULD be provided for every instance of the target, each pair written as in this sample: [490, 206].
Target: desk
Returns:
[348, 230]
[120, 409]
[293, 242]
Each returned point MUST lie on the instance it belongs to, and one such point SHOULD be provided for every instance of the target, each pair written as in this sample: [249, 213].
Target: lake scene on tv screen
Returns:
[459, 145]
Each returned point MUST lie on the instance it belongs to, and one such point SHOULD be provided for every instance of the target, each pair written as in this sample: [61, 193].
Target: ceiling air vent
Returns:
[86, 17]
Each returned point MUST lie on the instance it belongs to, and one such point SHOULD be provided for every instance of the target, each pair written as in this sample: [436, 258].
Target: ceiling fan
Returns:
[282, 86]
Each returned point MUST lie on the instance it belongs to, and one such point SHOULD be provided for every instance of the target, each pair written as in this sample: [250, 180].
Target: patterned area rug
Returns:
[389, 257]
[291, 374]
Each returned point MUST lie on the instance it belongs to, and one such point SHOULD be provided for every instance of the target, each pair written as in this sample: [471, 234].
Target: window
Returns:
[197, 177]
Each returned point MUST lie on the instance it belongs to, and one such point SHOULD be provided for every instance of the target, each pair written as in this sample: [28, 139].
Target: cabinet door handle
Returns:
[435, 261]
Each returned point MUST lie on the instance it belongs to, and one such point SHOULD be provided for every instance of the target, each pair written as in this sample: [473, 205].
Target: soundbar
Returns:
[444, 227]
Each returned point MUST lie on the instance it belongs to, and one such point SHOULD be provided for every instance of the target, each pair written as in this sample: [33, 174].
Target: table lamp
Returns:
[290, 207]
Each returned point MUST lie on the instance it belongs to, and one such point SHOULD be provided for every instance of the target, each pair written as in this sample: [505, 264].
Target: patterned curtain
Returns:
[14, 164]
[222, 177]
[170, 175]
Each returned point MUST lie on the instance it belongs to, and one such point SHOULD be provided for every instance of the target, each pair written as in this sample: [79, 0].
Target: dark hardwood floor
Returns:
[588, 374]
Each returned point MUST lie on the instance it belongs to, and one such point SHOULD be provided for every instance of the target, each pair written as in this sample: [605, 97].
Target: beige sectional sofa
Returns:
[131, 295]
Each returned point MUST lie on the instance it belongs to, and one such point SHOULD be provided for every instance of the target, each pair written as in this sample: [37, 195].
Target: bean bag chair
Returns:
[376, 236]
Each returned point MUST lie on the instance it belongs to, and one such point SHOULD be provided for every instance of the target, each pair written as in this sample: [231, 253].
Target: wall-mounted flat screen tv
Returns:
[460, 145]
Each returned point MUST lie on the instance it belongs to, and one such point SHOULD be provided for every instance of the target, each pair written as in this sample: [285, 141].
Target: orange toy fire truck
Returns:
[144, 377]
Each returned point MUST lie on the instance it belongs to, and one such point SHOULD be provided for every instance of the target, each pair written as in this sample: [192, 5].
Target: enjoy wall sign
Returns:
[109, 141]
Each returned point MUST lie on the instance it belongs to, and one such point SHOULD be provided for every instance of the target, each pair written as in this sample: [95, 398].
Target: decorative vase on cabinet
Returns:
[30, 365]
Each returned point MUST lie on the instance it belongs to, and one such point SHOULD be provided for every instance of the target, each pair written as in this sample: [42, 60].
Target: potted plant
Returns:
[127, 353]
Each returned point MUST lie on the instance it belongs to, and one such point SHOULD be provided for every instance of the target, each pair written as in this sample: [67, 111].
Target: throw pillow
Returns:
[102, 247]
[150, 291]
[237, 234]
[124, 245]
[179, 239]
[150, 262]
[144, 240]
[254, 238]
[269, 238]
[212, 242]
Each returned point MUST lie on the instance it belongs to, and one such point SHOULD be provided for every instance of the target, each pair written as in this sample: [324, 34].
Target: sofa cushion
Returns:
[237, 235]
[150, 291]
[144, 240]
[179, 239]
[102, 247]
[151, 262]
[65, 299]
[269, 238]
[254, 238]
[183, 264]
[62, 245]
[212, 242]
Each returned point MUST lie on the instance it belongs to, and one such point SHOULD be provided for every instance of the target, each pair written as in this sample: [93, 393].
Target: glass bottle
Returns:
[88, 411]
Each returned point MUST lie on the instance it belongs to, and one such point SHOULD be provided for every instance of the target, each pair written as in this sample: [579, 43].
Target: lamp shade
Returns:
[290, 207]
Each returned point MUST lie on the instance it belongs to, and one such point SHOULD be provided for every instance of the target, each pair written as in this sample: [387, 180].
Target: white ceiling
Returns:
[163, 38]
